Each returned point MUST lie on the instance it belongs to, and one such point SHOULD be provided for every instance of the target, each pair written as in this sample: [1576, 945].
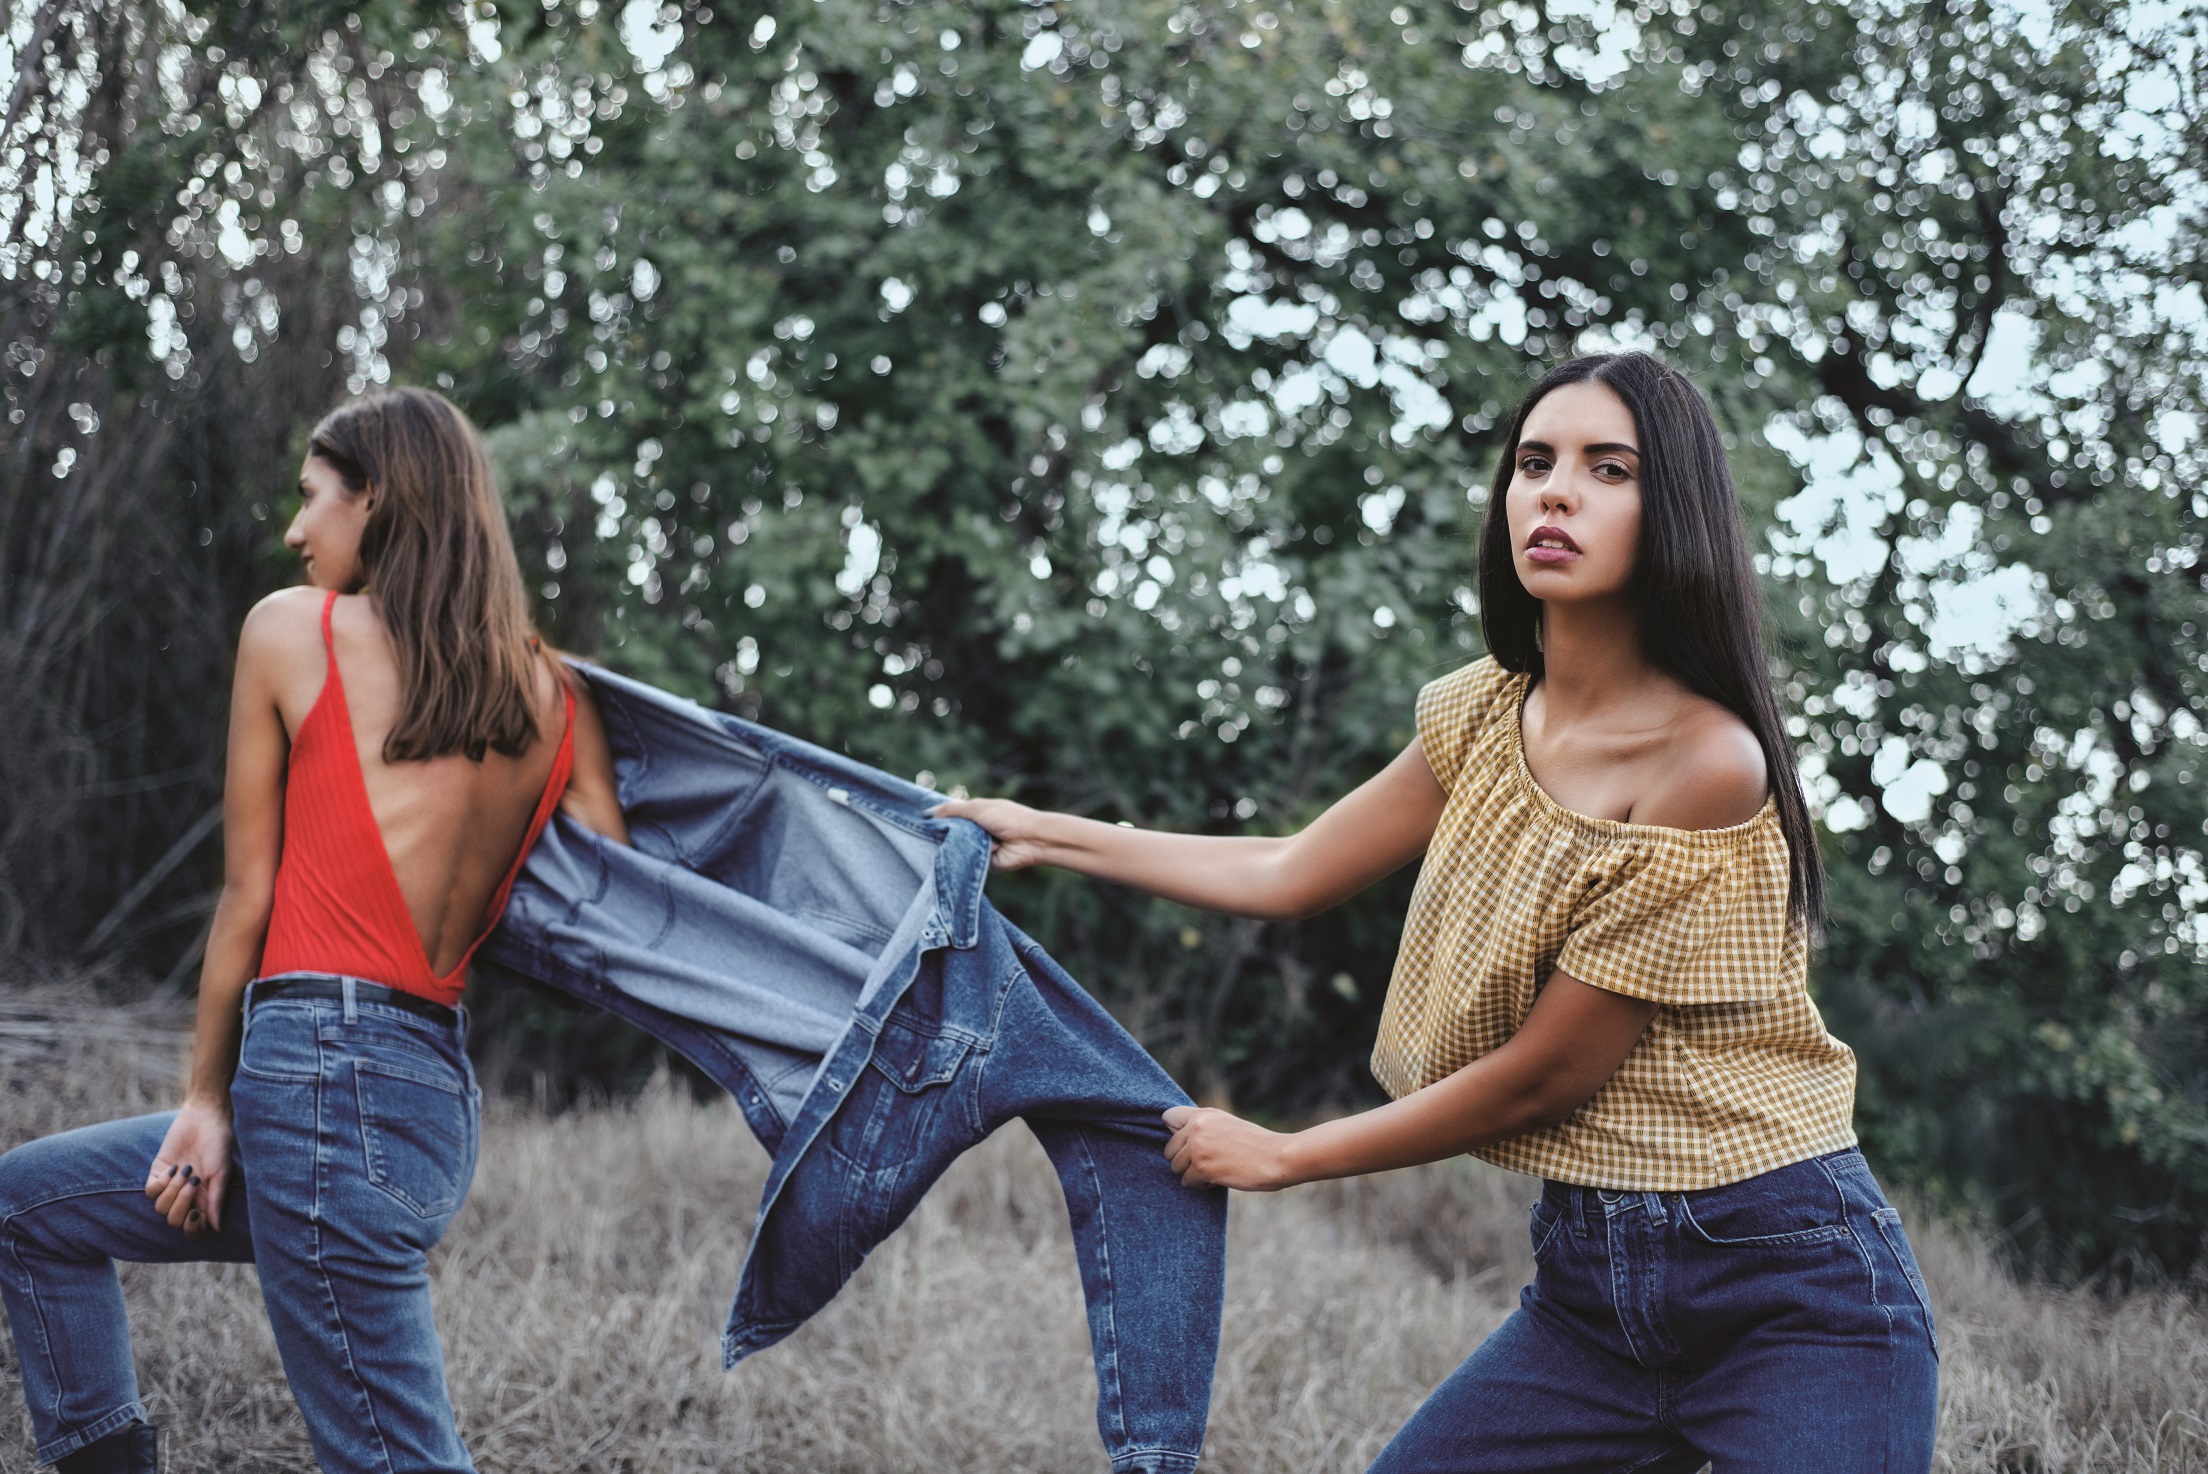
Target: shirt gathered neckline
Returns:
[1546, 802]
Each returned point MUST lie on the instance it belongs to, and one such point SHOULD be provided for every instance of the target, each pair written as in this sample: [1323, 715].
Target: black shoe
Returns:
[133, 1449]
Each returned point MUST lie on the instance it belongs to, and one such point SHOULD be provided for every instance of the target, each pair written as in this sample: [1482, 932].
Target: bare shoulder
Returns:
[282, 627]
[1714, 774]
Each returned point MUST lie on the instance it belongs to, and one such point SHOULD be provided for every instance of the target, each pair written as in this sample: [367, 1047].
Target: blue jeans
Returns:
[797, 925]
[356, 1141]
[1774, 1324]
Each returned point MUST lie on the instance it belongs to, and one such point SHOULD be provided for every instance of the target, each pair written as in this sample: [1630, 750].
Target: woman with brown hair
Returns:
[1602, 983]
[397, 741]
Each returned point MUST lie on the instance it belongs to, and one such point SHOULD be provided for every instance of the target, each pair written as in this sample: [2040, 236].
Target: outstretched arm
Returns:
[1379, 828]
[1572, 1042]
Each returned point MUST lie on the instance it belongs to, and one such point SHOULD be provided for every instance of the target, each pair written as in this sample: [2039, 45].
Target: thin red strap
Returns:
[329, 645]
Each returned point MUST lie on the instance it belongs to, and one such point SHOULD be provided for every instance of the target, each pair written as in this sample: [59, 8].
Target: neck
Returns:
[1591, 656]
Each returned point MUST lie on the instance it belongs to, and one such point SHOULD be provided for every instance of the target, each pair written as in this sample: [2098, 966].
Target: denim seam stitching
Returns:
[1862, 1250]
[30, 1284]
[739, 811]
[1550, 1236]
[400, 1072]
[1110, 1331]
[329, 1293]
[406, 1046]
[1829, 1233]
[1619, 1285]
[1181, 1457]
[856, 793]
[1914, 1281]
[93, 1432]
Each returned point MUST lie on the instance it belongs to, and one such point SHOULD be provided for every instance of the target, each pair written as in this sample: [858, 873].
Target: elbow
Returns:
[1263, 888]
[1292, 895]
[1284, 907]
[1545, 1105]
[1290, 903]
[246, 902]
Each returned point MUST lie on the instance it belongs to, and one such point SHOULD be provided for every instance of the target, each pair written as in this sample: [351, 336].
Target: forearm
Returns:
[233, 957]
[1473, 1108]
[1573, 1040]
[1238, 875]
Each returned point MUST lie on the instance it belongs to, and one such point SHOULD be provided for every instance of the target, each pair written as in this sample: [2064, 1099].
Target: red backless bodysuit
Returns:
[338, 908]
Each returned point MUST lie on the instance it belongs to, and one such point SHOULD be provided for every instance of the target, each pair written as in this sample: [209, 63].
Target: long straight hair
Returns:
[1693, 583]
[438, 560]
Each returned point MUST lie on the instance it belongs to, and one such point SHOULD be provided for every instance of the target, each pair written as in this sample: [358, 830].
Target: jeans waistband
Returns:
[1569, 1197]
[334, 989]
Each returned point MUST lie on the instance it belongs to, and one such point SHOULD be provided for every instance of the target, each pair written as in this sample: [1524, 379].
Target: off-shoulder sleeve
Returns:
[1686, 918]
[1453, 710]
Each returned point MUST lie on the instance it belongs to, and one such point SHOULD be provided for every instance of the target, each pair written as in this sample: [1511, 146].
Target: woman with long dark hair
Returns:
[397, 740]
[1602, 982]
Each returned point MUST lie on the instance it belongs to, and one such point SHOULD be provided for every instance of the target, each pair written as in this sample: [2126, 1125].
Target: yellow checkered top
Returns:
[1736, 1074]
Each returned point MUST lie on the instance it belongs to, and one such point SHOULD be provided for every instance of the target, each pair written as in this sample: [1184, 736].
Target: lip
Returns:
[1567, 552]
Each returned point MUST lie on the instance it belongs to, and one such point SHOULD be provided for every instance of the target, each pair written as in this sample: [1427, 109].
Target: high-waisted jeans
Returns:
[1776, 1324]
[356, 1140]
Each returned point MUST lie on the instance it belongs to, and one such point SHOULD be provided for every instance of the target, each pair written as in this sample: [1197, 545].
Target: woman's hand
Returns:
[192, 1169]
[1212, 1148]
[1015, 829]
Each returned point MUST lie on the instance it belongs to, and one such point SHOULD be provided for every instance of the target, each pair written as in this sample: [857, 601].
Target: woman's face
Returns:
[1574, 502]
[326, 533]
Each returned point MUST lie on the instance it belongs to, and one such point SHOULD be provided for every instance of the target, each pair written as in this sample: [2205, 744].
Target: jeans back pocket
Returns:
[417, 1135]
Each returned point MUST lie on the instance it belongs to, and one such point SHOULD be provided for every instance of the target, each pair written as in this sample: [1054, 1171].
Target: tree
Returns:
[1095, 403]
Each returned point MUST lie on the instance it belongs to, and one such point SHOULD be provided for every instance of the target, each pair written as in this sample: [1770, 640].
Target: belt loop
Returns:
[352, 1001]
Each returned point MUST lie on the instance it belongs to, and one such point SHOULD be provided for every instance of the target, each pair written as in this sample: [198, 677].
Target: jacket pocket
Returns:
[895, 1102]
[915, 1061]
[417, 1135]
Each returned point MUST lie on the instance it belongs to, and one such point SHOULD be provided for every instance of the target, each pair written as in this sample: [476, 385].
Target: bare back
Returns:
[450, 826]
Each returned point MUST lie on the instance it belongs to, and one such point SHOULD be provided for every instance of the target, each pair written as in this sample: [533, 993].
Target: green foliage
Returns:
[1093, 403]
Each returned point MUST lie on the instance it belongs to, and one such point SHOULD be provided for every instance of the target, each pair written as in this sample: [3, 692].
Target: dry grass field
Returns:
[582, 1288]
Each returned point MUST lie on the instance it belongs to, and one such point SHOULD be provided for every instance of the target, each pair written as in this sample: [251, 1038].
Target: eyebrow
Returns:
[1602, 447]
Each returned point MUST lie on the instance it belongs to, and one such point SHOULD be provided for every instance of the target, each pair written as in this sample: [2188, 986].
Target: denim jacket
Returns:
[796, 925]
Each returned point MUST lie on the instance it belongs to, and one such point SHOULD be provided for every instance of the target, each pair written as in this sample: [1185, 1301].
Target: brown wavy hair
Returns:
[438, 560]
[1701, 608]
